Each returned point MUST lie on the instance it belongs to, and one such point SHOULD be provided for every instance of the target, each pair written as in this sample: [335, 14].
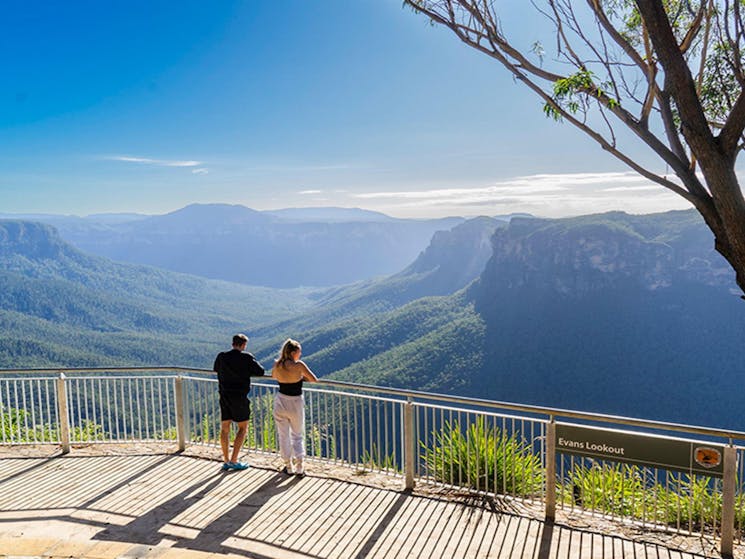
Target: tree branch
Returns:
[693, 29]
[500, 50]
[734, 126]
[678, 78]
[620, 40]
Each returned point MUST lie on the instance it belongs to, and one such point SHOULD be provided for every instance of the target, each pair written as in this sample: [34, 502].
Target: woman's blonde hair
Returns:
[288, 348]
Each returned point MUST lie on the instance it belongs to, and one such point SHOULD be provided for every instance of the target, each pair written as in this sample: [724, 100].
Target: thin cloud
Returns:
[295, 168]
[582, 178]
[632, 188]
[310, 192]
[545, 194]
[519, 186]
[459, 193]
[158, 162]
[200, 171]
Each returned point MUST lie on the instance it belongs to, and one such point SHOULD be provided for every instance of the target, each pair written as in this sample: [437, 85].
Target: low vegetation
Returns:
[630, 491]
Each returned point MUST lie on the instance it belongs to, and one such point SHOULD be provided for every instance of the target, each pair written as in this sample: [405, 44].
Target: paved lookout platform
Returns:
[183, 506]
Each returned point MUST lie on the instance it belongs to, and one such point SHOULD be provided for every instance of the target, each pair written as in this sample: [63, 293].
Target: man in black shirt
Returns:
[234, 370]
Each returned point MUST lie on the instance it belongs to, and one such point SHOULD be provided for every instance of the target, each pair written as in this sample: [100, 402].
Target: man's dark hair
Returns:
[239, 339]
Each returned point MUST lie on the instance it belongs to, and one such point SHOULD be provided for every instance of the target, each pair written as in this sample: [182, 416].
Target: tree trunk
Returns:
[724, 209]
[729, 229]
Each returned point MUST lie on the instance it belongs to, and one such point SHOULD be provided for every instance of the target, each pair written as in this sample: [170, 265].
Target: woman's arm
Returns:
[307, 373]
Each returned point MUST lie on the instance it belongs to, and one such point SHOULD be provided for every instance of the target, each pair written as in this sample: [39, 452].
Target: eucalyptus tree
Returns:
[670, 71]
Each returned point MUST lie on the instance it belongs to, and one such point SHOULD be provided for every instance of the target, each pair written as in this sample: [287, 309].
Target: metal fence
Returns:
[494, 449]
[28, 411]
[343, 427]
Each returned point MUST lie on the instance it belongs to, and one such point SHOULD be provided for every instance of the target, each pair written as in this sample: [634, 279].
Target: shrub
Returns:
[87, 431]
[633, 491]
[375, 459]
[612, 488]
[15, 427]
[484, 458]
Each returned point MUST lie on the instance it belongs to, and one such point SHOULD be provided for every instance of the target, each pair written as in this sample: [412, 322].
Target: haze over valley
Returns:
[328, 246]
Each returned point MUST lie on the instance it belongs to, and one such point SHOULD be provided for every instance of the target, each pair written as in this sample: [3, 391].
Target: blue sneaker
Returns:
[238, 465]
[225, 466]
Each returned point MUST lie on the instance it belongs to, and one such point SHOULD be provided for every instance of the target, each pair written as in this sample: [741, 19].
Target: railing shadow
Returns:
[547, 534]
[34, 463]
[560, 541]
[85, 479]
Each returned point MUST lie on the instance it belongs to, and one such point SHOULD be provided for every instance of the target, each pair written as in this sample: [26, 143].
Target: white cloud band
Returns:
[543, 194]
[158, 162]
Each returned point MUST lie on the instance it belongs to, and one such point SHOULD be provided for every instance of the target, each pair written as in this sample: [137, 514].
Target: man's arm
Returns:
[216, 366]
[255, 369]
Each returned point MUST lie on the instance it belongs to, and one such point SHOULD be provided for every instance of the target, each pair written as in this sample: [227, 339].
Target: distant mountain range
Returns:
[619, 314]
[282, 248]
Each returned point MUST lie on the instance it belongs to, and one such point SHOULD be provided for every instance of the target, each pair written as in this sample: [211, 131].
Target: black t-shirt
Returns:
[234, 370]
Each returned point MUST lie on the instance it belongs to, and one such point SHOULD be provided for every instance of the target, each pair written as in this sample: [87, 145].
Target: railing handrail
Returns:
[550, 413]
[106, 370]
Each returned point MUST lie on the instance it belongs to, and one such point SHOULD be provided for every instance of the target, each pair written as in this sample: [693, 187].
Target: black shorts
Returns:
[234, 406]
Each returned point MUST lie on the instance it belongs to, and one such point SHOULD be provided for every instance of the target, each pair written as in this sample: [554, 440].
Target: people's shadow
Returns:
[145, 529]
[227, 525]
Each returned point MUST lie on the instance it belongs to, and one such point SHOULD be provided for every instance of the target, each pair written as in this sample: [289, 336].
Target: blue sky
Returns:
[149, 106]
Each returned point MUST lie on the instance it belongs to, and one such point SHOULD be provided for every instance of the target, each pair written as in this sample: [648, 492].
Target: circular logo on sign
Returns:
[707, 457]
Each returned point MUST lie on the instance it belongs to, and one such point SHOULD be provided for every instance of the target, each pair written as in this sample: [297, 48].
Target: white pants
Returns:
[289, 417]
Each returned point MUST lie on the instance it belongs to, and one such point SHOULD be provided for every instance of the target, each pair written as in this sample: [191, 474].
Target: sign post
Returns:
[551, 470]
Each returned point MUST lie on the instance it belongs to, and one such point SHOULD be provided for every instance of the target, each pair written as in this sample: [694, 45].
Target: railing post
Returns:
[64, 419]
[728, 501]
[180, 414]
[551, 470]
[409, 445]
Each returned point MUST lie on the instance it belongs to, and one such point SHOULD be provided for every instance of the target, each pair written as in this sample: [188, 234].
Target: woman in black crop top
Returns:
[289, 407]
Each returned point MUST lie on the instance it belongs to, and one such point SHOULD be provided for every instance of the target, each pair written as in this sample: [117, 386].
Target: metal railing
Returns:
[494, 449]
